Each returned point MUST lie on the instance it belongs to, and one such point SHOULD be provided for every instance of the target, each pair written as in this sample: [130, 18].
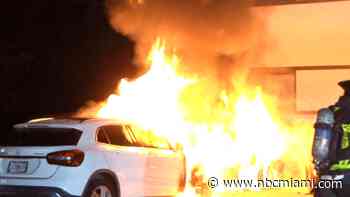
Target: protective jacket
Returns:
[335, 158]
[340, 144]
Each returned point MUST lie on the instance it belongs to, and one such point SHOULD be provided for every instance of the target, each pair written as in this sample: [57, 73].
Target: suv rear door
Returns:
[163, 169]
[124, 157]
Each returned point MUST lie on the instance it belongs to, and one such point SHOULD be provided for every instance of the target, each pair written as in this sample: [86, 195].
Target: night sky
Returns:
[57, 55]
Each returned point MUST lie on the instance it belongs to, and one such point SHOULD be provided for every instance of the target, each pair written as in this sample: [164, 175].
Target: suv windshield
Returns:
[42, 137]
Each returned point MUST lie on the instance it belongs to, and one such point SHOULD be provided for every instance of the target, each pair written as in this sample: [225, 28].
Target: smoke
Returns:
[214, 38]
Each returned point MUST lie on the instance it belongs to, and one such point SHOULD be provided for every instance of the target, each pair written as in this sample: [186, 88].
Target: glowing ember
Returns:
[235, 134]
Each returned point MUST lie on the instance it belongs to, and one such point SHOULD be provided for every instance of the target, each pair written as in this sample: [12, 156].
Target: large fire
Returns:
[243, 136]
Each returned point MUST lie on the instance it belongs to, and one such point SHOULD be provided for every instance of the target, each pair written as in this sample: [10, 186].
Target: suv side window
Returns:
[116, 135]
[102, 136]
[148, 139]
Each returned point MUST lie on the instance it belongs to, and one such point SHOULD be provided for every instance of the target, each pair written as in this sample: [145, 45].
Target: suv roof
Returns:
[65, 122]
[57, 120]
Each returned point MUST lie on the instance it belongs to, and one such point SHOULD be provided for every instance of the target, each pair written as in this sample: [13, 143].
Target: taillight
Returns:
[66, 158]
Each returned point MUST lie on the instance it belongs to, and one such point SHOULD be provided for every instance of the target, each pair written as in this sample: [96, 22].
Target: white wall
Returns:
[317, 89]
[308, 34]
[316, 34]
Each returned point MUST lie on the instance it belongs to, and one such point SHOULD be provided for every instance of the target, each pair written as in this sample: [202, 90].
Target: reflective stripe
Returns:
[345, 139]
[341, 165]
[332, 177]
[336, 109]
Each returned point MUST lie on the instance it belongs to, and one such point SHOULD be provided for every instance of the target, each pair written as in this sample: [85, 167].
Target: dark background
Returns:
[55, 56]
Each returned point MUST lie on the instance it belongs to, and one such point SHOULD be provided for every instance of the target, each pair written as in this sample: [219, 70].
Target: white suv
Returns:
[59, 157]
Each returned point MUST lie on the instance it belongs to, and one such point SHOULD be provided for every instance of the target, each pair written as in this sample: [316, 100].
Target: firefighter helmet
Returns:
[346, 86]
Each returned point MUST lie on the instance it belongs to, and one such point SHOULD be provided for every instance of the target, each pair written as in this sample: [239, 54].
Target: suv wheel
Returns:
[101, 188]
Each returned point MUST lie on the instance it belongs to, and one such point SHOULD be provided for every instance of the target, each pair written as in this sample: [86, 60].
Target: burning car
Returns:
[88, 157]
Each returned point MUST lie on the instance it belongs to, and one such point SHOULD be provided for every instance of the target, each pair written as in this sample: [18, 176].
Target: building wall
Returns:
[308, 34]
[303, 36]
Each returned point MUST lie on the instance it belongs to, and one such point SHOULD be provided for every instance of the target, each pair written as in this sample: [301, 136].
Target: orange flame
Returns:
[243, 137]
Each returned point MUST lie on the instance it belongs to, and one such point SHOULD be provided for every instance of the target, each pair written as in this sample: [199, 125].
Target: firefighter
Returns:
[331, 148]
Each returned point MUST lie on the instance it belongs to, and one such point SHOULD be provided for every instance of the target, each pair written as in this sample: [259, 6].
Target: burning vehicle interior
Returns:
[235, 83]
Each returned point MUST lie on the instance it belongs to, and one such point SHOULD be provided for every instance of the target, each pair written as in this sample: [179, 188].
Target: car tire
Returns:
[101, 188]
